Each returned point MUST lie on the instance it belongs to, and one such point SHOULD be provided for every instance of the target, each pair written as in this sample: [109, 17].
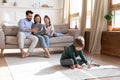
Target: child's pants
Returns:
[70, 62]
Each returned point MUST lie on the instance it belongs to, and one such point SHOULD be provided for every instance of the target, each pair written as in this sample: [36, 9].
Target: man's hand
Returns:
[27, 30]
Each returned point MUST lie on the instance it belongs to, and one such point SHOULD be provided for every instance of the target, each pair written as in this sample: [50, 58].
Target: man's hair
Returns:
[79, 41]
[29, 12]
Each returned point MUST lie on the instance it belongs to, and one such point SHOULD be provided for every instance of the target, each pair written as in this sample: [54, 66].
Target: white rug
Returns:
[39, 68]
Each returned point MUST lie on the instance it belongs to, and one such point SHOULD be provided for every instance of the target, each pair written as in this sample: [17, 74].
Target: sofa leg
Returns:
[1, 53]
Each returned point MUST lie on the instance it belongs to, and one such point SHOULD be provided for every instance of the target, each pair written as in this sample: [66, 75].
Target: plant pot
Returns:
[109, 28]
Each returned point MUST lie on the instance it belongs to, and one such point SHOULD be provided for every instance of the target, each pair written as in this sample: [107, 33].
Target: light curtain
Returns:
[83, 17]
[98, 23]
[66, 11]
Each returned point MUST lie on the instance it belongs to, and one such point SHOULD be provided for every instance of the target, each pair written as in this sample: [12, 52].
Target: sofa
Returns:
[9, 40]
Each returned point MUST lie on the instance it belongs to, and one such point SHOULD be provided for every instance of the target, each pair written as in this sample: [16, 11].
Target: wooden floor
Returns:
[101, 59]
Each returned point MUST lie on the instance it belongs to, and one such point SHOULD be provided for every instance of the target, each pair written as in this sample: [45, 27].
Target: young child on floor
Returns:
[69, 56]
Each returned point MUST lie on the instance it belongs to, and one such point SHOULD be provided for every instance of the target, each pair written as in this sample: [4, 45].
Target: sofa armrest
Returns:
[2, 39]
[74, 32]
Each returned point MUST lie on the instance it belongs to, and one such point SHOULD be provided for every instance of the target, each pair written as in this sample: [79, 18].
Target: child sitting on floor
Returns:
[69, 56]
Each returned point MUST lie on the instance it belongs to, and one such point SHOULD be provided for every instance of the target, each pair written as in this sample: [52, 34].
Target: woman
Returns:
[40, 33]
[50, 28]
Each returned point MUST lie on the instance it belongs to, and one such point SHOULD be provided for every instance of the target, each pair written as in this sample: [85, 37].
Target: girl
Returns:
[50, 28]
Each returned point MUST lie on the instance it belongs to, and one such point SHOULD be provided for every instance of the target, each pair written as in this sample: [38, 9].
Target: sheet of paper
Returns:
[101, 67]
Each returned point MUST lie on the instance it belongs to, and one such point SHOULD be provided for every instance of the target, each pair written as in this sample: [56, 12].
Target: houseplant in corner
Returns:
[109, 17]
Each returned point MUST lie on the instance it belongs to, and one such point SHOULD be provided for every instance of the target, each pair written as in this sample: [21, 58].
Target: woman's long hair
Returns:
[37, 15]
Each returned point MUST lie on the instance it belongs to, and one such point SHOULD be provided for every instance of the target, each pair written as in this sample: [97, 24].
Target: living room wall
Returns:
[14, 10]
[30, 3]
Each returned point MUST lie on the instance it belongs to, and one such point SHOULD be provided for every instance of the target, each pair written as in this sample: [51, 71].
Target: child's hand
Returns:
[78, 66]
[72, 67]
[89, 66]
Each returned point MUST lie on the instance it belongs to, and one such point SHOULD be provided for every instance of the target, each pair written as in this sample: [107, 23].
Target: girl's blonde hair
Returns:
[79, 42]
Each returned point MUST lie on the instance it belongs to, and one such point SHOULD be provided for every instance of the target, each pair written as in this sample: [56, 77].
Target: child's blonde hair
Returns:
[79, 42]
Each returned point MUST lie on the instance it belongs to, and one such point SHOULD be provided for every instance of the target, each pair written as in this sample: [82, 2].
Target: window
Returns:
[115, 9]
[75, 12]
[116, 18]
[115, 1]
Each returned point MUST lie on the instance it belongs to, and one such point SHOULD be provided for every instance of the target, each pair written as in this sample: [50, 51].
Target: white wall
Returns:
[10, 13]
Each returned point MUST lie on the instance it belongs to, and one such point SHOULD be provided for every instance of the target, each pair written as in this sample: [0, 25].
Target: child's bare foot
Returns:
[23, 54]
[78, 66]
[72, 67]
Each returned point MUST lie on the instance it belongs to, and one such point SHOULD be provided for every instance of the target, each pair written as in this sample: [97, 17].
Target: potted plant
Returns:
[109, 17]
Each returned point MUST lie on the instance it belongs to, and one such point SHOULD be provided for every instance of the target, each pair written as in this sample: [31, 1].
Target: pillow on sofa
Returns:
[63, 28]
[10, 29]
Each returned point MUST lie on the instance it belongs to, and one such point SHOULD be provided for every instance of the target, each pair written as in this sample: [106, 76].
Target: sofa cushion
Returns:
[63, 28]
[62, 39]
[10, 29]
[13, 40]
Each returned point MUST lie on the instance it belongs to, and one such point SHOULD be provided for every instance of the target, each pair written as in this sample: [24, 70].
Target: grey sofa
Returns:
[8, 37]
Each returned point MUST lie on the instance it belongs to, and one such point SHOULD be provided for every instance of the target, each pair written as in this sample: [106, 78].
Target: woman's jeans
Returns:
[44, 41]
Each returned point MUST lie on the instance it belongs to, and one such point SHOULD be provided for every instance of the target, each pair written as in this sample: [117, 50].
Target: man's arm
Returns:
[21, 26]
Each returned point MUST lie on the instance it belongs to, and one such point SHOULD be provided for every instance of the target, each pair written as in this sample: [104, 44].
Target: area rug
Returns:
[40, 68]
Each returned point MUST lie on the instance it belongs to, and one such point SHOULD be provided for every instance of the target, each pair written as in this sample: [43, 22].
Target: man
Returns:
[23, 33]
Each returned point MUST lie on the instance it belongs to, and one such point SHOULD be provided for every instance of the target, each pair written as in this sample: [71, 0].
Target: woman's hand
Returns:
[35, 30]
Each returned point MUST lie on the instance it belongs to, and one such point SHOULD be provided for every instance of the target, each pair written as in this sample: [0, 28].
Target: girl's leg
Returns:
[55, 34]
